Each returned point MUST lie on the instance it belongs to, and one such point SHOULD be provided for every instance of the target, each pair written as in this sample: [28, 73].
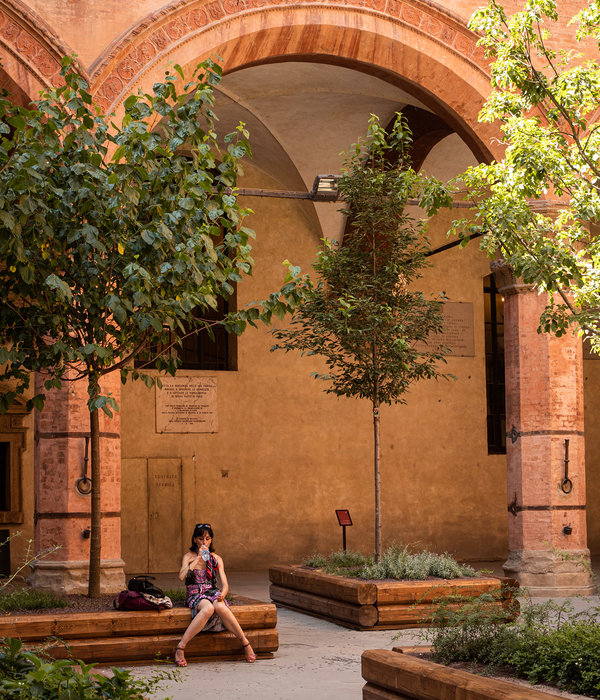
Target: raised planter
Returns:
[367, 605]
[389, 674]
[120, 636]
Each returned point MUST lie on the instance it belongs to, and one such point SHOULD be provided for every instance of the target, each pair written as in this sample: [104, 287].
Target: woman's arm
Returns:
[222, 578]
[188, 557]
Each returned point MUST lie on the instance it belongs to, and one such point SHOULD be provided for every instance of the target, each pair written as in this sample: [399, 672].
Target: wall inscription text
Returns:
[187, 405]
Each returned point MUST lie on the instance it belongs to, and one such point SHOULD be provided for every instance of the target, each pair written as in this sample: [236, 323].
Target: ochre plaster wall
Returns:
[293, 454]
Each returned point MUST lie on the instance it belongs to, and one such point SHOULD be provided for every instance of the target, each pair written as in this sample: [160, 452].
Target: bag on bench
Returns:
[132, 600]
[142, 584]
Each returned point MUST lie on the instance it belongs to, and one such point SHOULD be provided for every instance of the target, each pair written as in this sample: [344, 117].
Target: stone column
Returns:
[62, 511]
[544, 417]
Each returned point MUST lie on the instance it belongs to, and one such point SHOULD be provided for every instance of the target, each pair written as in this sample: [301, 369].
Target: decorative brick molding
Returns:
[29, 50]
[160, 30]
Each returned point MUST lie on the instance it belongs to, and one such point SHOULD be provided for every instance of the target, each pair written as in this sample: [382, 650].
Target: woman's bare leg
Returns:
[231, 623]
[205, 610]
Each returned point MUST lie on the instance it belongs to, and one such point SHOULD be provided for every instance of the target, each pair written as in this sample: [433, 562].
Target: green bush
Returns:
[473, 632]
[549, 643]
[347, 563]
[30, 599]
[396, 562]
[25, 675]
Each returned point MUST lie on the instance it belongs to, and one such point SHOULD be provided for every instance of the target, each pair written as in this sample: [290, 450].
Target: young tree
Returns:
[546, 100]
[114, 238]
[364, 316]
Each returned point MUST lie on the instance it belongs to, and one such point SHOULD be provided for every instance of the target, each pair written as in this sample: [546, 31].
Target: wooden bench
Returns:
[391, 675]
[119, 636]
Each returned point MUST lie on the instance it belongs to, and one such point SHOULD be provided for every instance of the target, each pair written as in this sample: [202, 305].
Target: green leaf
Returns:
[61, 287]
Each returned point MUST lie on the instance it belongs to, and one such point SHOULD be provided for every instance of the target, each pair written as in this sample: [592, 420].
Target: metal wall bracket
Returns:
[514, 434]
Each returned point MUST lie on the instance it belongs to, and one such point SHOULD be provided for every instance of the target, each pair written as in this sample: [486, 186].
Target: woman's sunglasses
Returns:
[200, 526]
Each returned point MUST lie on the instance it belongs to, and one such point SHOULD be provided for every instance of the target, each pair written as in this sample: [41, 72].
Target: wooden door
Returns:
[165, 543]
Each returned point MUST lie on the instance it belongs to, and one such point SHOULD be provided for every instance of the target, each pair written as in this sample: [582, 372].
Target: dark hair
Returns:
[199, 530]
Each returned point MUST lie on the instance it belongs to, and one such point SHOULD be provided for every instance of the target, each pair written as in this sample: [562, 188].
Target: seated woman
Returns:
[210, 610]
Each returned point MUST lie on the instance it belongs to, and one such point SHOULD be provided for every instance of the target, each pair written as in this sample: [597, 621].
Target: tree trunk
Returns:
[96, 537]
[376, 458]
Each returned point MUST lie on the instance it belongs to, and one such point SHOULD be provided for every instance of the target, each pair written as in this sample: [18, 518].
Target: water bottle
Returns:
[205, 554]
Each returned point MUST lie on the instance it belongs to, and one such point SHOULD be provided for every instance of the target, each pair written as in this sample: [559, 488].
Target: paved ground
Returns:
[316, 660]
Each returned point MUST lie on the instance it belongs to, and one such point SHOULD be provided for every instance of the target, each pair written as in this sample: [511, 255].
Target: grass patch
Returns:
[549, 643]
[177, 595]
[396, 562]
[30, 599]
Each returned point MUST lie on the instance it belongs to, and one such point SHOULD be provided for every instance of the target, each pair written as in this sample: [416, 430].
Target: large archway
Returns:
[417, 46]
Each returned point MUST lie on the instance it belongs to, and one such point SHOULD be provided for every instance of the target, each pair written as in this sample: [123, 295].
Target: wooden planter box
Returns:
[390, 674]
[368, 605]
[120, 636]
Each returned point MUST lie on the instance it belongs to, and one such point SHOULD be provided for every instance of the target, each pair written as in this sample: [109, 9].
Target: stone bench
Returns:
[119, 636]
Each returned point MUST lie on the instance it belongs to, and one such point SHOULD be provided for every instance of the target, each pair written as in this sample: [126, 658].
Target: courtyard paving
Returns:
[317, 660]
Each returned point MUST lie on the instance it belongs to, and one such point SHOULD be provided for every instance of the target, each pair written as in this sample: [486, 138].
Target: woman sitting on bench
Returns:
[210, 611]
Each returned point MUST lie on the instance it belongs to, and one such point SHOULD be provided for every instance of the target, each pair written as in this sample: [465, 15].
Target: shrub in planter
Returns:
[549, 643]
[396, 562]
[28, 674]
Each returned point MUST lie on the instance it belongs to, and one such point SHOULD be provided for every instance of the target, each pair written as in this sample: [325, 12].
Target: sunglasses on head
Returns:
[200, 526]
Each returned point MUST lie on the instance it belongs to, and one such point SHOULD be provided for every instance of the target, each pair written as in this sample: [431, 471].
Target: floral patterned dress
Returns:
[202, 585]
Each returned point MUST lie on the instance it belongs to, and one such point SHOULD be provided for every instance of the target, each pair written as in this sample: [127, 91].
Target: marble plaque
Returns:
[457, 335]
[187, 405]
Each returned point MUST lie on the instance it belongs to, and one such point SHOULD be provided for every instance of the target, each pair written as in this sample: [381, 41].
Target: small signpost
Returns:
[344, 520]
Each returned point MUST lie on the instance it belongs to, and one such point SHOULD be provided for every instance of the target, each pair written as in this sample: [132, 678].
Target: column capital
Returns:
[506, 282]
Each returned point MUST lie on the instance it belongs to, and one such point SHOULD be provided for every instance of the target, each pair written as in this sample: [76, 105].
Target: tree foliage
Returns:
[364, 316]
[546, 100]
[116, 237]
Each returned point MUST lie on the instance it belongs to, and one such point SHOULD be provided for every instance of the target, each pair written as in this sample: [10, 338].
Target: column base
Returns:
[546, 573]
[71, 577]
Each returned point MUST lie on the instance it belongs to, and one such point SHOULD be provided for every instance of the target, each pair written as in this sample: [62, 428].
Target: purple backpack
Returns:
[131, 600]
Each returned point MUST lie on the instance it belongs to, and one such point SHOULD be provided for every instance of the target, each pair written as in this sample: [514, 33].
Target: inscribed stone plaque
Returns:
[187, 405]
[457, 335]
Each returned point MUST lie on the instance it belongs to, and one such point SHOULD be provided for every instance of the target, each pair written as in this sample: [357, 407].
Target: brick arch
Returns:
[414, 43]
[30, 53]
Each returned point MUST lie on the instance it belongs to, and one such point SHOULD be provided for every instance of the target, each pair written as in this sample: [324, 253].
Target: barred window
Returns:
[215, 350]
[494, 367]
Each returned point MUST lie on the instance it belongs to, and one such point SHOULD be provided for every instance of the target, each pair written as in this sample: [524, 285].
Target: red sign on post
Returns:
[343, 517]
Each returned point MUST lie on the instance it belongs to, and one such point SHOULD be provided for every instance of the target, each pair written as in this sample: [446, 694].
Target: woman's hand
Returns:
[195, 563]
[220, 597]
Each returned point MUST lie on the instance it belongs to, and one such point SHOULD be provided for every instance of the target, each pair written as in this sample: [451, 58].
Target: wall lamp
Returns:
[325, 188]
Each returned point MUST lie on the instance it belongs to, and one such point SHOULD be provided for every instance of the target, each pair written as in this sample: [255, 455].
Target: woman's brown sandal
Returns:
[250, 658]
[182, 663]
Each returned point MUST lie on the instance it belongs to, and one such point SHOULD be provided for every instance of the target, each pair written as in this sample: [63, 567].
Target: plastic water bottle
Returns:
[205, 554]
